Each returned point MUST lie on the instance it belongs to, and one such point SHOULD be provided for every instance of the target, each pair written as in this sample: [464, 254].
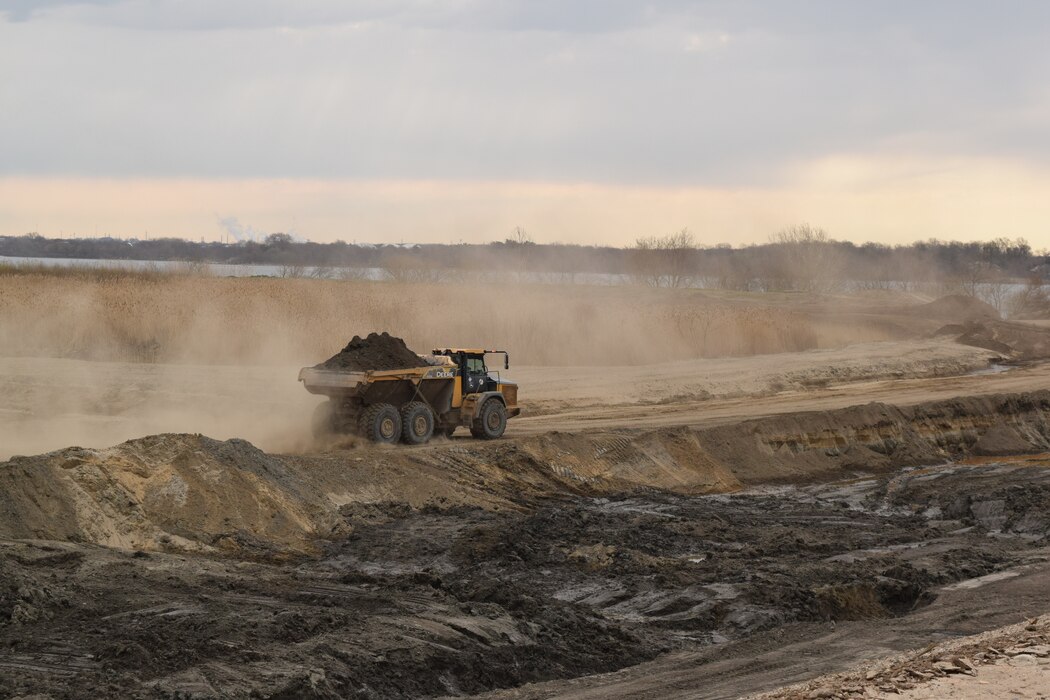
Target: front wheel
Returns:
[381, 423]
[491, 422]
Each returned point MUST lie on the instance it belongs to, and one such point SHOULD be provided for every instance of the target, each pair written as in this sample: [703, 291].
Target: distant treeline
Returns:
[283, 250]
[802, 258]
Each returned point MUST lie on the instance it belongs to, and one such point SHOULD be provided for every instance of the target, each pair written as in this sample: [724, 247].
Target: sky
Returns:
[582, 121]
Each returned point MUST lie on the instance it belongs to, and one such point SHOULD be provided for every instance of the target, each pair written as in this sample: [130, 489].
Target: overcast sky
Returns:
[586, 121]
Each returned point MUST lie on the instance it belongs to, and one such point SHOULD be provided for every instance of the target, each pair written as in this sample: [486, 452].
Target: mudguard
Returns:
[472, 404]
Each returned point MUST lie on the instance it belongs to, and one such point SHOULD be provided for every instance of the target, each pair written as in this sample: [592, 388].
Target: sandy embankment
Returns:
[192, 493]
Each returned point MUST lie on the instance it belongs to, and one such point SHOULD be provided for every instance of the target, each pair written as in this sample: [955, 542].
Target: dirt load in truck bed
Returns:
[379, 351]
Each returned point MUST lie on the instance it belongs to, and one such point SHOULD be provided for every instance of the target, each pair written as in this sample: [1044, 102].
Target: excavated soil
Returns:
[179, 566]
[189, 493]
[1016, 340]
[379, 351]
[434, 602]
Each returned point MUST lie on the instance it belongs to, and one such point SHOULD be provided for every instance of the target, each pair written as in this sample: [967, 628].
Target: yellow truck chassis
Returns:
[410, 405]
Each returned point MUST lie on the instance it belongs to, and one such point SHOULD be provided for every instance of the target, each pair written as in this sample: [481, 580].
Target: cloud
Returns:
[665, 93]
[585, 16]
[24, 10]
[711, 41]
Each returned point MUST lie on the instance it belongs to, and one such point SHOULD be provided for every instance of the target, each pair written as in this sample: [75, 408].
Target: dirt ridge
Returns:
[191, 493]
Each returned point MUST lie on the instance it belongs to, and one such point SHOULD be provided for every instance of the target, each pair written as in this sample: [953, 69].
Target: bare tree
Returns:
[294, 271]
[410, 266]
[808, 260]
[520, 236]
[996, 290]
[321, 272]
[1031, 301]
[353, 273]
[664, 261]
[523, 246]
[972, 277]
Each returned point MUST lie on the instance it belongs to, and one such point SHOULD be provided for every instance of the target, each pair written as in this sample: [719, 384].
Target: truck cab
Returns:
[475, 384]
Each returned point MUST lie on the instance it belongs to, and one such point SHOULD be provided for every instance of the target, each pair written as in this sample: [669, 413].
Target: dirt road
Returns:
[716, 411]
[53, 403]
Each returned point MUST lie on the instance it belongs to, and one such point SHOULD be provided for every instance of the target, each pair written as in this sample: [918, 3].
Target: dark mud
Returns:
[455, 601]
[1020, 341]
[379, 351]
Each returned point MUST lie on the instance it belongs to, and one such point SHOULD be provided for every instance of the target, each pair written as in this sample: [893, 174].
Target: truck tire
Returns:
[347, 418]
[323, 421]
[381, 423]
[491, 421]
[417, 423]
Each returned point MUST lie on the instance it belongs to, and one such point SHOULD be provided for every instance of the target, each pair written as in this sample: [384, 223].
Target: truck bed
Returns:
[323, 381]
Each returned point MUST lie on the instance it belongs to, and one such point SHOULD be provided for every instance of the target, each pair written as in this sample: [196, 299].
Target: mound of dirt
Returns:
[980, 335]
[1024, 342]
[955, 307]
[379, 351]
[164, 492]
[1001, 440]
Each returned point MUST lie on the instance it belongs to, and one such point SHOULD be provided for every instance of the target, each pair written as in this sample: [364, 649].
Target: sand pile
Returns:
[954, 307]
[379, 351]
[164, 492]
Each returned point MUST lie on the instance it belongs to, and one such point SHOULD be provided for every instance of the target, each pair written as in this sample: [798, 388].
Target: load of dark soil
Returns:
[379, 351]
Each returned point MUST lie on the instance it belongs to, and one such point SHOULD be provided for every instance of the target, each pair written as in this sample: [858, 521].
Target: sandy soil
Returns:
[557, 389]
[1007, 680]
[1006, 662]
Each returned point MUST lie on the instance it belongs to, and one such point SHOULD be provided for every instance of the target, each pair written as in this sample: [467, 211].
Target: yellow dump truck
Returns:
[451, 388]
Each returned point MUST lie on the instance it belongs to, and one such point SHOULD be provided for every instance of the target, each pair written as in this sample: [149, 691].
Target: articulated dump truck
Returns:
[450, 389]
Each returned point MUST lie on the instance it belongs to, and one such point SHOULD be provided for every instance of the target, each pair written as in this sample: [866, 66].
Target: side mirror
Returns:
[506, 361]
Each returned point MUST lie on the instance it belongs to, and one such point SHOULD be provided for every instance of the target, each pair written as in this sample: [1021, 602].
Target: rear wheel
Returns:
[381, 423]
[491, 421]
[323, 421]
[417, 423]
[347, 416]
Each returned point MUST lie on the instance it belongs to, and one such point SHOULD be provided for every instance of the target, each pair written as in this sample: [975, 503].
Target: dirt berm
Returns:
[191, 493]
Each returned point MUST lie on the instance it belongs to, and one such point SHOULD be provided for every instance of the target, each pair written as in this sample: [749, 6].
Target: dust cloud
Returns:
[94, 360]
[51, 403]
[185, 319]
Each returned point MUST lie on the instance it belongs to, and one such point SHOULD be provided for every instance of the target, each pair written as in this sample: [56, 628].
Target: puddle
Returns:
[972, 583]
[993, 368]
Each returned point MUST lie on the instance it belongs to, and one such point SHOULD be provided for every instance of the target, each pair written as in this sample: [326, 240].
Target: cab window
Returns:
[476, 365]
